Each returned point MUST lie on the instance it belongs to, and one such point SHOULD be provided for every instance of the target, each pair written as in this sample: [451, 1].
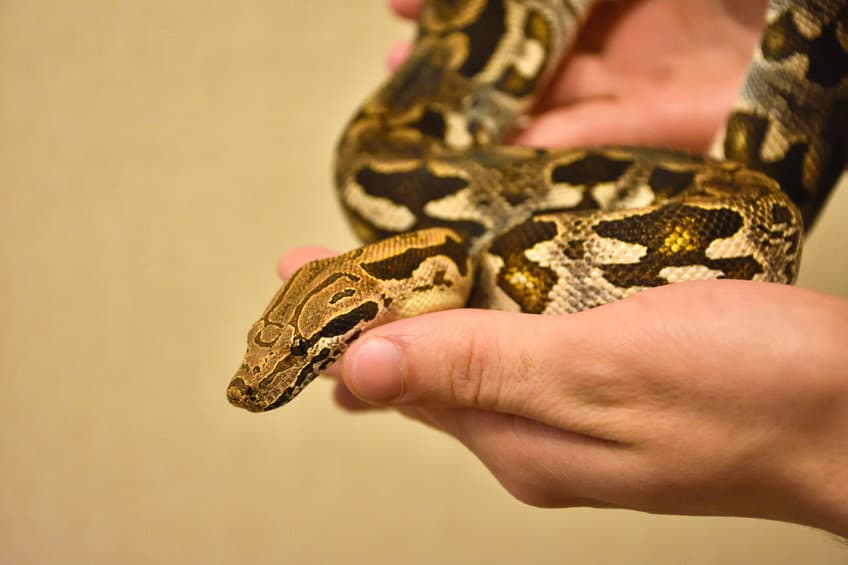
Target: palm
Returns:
[646, 72]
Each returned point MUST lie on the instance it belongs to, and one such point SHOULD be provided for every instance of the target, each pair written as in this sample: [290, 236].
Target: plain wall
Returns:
[155, 159]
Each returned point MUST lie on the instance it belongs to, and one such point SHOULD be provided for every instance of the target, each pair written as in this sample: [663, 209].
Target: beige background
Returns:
[155, 158]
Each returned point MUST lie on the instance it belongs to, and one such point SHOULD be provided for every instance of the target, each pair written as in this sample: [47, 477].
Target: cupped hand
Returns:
[644, 72]
[719, 397]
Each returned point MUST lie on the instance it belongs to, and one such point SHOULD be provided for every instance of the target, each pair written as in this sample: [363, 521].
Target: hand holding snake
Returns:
[586, 410]
[645, 404]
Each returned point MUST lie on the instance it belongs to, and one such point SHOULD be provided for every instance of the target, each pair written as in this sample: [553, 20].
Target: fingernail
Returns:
[377, 371]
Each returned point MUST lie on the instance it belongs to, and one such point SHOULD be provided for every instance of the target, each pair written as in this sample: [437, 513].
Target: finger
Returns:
[594, 122]
[408, 9]
[342, 395]
[548, 467]
[585, 373]
[584, 76]
[347, 400]
[494, 361]
[530, 459]
[614, 122]
[398, 54]
[334, 371]
[449, 359]
[604, 19]
[293, 259]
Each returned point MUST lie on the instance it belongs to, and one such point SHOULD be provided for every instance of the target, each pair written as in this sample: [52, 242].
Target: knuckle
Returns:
[475, 374]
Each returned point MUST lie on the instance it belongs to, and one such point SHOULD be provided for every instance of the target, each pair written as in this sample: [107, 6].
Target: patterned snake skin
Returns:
[454, 218]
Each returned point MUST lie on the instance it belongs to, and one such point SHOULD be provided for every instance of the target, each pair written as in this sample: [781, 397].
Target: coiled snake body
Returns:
[454, 218]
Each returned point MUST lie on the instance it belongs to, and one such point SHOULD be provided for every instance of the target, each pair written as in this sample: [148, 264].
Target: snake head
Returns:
[328, 303]
[266, 371]
[308, 324]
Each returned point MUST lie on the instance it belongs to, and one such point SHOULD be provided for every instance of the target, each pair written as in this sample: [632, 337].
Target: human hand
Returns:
[721, 397]
[660, 73]
[718, 398]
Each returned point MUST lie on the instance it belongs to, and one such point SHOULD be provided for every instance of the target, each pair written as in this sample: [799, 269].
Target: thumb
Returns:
[487, 360]
[570, 372]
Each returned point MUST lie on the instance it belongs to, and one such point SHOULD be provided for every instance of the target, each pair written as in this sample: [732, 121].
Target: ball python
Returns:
[453, 217]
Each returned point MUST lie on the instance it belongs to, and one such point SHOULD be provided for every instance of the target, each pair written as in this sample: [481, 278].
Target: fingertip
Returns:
[408, 9]
[374, 370]
[347, 400]
[435, 359]
[293, 259]
[335, 370]
[397, 55]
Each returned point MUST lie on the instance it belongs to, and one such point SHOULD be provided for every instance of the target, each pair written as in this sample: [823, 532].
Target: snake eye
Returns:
[298, 347]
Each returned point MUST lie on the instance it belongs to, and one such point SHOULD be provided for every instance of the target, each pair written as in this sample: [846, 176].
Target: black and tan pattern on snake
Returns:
[453, 218]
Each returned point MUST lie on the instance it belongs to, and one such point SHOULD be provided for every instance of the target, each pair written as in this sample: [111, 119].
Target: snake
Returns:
[452, 216]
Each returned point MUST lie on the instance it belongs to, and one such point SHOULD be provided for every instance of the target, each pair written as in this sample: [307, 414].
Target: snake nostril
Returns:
[235, 391]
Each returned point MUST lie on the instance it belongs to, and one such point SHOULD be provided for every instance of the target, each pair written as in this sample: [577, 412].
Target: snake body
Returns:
[452, 217]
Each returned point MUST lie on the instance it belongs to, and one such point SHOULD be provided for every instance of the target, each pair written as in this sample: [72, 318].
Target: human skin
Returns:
[712, 398]
[649, 72]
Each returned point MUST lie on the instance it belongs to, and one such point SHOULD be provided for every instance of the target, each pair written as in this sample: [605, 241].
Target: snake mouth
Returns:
[241, 394]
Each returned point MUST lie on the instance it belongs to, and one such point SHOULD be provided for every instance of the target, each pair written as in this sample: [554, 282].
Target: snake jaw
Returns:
[241, 394]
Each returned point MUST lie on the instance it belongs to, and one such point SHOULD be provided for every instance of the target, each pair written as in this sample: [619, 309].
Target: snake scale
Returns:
[452, 217]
